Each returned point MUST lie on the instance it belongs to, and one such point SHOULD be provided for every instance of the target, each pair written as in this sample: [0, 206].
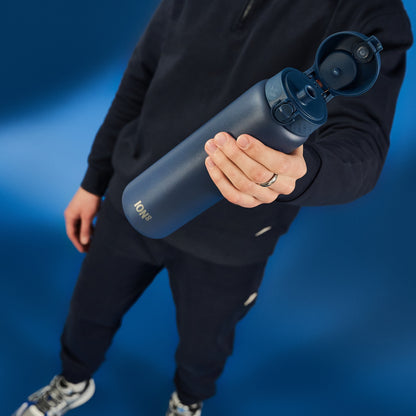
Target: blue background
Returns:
[333, 331]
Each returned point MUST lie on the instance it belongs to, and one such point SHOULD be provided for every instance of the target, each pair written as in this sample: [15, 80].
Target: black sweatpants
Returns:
[210, 299]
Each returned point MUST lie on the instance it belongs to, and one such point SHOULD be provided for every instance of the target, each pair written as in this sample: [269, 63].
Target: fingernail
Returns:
[242, 142]
[84, 240]
[210, 163]
[220, 139]
[211, 147]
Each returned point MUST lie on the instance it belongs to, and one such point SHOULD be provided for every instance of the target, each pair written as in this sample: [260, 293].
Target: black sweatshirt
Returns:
[195, 57]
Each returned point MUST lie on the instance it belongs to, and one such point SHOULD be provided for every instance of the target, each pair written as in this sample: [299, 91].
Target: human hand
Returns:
[79, 215]
[237, 167]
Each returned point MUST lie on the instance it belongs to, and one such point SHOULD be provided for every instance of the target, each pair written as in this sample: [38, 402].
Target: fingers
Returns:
[242, 191]
[238, 167]
[73, 226]
[292, 165]
[79, 216]
[79, 231]
[255, 171]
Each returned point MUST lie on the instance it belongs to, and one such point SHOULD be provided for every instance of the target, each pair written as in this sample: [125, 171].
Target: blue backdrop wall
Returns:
[333, 332]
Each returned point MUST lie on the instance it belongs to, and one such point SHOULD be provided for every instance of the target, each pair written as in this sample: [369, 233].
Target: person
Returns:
[192, 60]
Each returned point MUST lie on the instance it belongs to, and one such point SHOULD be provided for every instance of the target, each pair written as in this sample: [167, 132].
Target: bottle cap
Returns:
[347, 63]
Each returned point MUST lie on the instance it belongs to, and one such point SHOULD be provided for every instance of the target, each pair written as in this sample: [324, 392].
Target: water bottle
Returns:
[281, 112]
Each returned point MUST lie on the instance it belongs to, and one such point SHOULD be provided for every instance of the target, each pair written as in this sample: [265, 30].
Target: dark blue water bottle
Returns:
[281, 112]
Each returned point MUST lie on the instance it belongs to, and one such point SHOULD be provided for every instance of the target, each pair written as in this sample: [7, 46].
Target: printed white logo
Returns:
[142, 212]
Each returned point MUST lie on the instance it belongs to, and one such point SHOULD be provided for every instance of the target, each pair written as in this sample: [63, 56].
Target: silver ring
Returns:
[271, 181]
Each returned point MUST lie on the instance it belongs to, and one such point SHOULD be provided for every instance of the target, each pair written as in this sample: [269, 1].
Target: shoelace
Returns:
[52, 397]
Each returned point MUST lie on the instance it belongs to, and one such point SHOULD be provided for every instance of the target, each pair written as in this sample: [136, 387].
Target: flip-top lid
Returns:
[347, 63]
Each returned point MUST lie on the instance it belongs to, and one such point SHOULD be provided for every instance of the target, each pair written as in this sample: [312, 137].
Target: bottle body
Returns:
[177, 187]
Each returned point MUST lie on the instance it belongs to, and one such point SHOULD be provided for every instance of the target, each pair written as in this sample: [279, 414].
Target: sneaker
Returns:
[176, 408]
[56, 398]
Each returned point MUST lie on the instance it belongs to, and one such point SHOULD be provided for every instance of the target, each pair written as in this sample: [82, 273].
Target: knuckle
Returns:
[270, 198]
[303, 169]
[213, 173]
[260, 176]
[257, 202]
[284, 166]
[70, 217]
[234, 198]
[288, 188]
[87, 216]
[244, 185]
[217, 178]
[249, 203]
[232, 150]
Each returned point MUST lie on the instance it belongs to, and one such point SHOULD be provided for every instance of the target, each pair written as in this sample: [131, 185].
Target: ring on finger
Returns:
[271, 181]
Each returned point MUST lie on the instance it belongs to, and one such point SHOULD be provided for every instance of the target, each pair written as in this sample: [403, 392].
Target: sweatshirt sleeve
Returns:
[345, 156]
[127, 103]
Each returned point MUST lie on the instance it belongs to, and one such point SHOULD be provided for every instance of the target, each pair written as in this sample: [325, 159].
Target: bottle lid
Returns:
[347, 63]
[297, 101]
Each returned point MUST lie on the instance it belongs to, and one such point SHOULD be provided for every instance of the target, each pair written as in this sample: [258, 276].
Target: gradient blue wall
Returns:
[333, 332]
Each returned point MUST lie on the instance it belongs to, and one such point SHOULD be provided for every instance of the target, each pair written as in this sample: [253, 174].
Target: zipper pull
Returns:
[246, 13]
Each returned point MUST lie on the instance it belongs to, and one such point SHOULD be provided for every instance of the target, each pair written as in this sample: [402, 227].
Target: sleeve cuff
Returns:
[313, 164]
[96, 181]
